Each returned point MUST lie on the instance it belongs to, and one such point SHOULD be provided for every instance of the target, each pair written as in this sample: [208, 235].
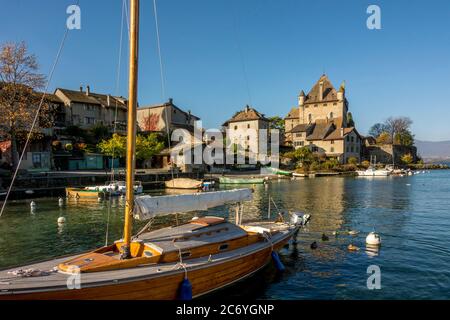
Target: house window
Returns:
[36, 160]
[351, 148]
[235, 127]
[299, 135]
[332, 142]
[89, 120]
[348, 138]
[332, 149]
[331, 115]
[248, 126]
[352, 138]
[348, 149]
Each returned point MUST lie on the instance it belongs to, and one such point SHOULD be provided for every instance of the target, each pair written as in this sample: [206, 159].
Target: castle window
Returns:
[316, 105]
[310, 118]
[235, 127]
[248, 126]
[332, 142]
[331, 115]
[324, 104]
[332, 149]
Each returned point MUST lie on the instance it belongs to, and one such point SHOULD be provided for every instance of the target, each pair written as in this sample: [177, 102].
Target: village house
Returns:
[86, 109]
[167, 117]
[320, 123]
[243, 131]
[154, 118]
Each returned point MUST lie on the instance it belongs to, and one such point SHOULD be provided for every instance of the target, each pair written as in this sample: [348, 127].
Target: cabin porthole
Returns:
[148, 253]
[223, 247]
[185, 254]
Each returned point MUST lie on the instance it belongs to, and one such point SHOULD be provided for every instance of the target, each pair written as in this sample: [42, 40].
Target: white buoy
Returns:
[373, 239]
[32, 205]
[60, 201]
[61, 220]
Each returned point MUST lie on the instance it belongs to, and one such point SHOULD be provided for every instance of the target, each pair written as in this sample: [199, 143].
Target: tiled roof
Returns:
[293, 114]
[166, 104]
[301, 128]
[329, 92]
[93, 98]
[247, 114]
[321, 131]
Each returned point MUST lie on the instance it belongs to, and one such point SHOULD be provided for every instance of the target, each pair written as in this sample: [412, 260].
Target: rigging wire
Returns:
[116, 92]
[36, 116]
[241, 54]
[161, 70]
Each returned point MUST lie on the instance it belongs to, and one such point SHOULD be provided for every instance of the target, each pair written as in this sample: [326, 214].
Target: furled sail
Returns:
[147, 207]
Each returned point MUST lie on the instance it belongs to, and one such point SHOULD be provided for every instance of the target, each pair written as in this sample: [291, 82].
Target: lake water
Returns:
[412, 215]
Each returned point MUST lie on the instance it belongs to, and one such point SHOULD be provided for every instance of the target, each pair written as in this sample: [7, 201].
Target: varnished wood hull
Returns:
[204, 279]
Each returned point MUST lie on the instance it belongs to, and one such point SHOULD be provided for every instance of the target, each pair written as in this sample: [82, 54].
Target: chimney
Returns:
[170, 101]
[247, 108]
[81, 88]
[320, 90]
[88, 90]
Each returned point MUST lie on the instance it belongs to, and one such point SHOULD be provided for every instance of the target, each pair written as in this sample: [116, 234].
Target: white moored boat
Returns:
[372, 172]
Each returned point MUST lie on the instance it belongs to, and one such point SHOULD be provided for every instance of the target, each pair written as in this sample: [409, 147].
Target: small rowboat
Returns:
[226, 180]
[184, 183]
[77, 193]
[278, 171]
[299, 175]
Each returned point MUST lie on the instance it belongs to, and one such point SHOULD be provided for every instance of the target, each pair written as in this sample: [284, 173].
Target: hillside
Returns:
[433, 149]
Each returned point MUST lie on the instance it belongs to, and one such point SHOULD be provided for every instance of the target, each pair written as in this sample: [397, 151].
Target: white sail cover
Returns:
[147, 207]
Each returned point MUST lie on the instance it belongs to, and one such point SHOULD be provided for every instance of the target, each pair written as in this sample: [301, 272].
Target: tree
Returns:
[350, 121]
[100, 132]
[395, 126]
[276, 122]
[19, 99]
[384, 138]
[352, 160]
[115, 147]
[407, 158]
[404, 138]
[376, 130]
[148, 146]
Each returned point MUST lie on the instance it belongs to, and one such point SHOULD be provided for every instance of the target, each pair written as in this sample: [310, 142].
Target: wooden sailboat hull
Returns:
[204, 277]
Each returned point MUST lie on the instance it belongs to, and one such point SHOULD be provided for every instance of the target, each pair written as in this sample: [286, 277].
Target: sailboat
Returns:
[180, 262]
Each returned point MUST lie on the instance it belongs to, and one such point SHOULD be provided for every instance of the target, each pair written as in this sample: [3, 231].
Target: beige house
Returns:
[244, 132]
[320, 122]
[86, 109]
[153, 118]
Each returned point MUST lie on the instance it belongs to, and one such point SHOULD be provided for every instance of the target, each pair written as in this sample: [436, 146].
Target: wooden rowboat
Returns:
[82, 193]
[184, 183]
[227, 180]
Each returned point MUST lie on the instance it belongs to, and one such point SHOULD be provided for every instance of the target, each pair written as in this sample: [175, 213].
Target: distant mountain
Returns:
[433, 149]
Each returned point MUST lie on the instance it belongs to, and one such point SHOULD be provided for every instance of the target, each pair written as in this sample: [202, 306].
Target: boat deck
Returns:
[51, 279]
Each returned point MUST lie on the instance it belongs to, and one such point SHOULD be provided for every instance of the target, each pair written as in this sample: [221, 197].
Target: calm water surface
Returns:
[412, 215]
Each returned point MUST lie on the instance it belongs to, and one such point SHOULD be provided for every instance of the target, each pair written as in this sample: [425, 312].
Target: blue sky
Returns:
[213, 50]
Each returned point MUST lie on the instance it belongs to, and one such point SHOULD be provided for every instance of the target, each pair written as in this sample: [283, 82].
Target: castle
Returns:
[322, 123]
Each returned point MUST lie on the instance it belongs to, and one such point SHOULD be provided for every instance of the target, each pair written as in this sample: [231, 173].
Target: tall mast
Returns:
[131, 126]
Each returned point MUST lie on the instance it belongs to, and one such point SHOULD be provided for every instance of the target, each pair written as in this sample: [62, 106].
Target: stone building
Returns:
[154, 118]
[86, 109]
[243, 131]
[320, 121]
